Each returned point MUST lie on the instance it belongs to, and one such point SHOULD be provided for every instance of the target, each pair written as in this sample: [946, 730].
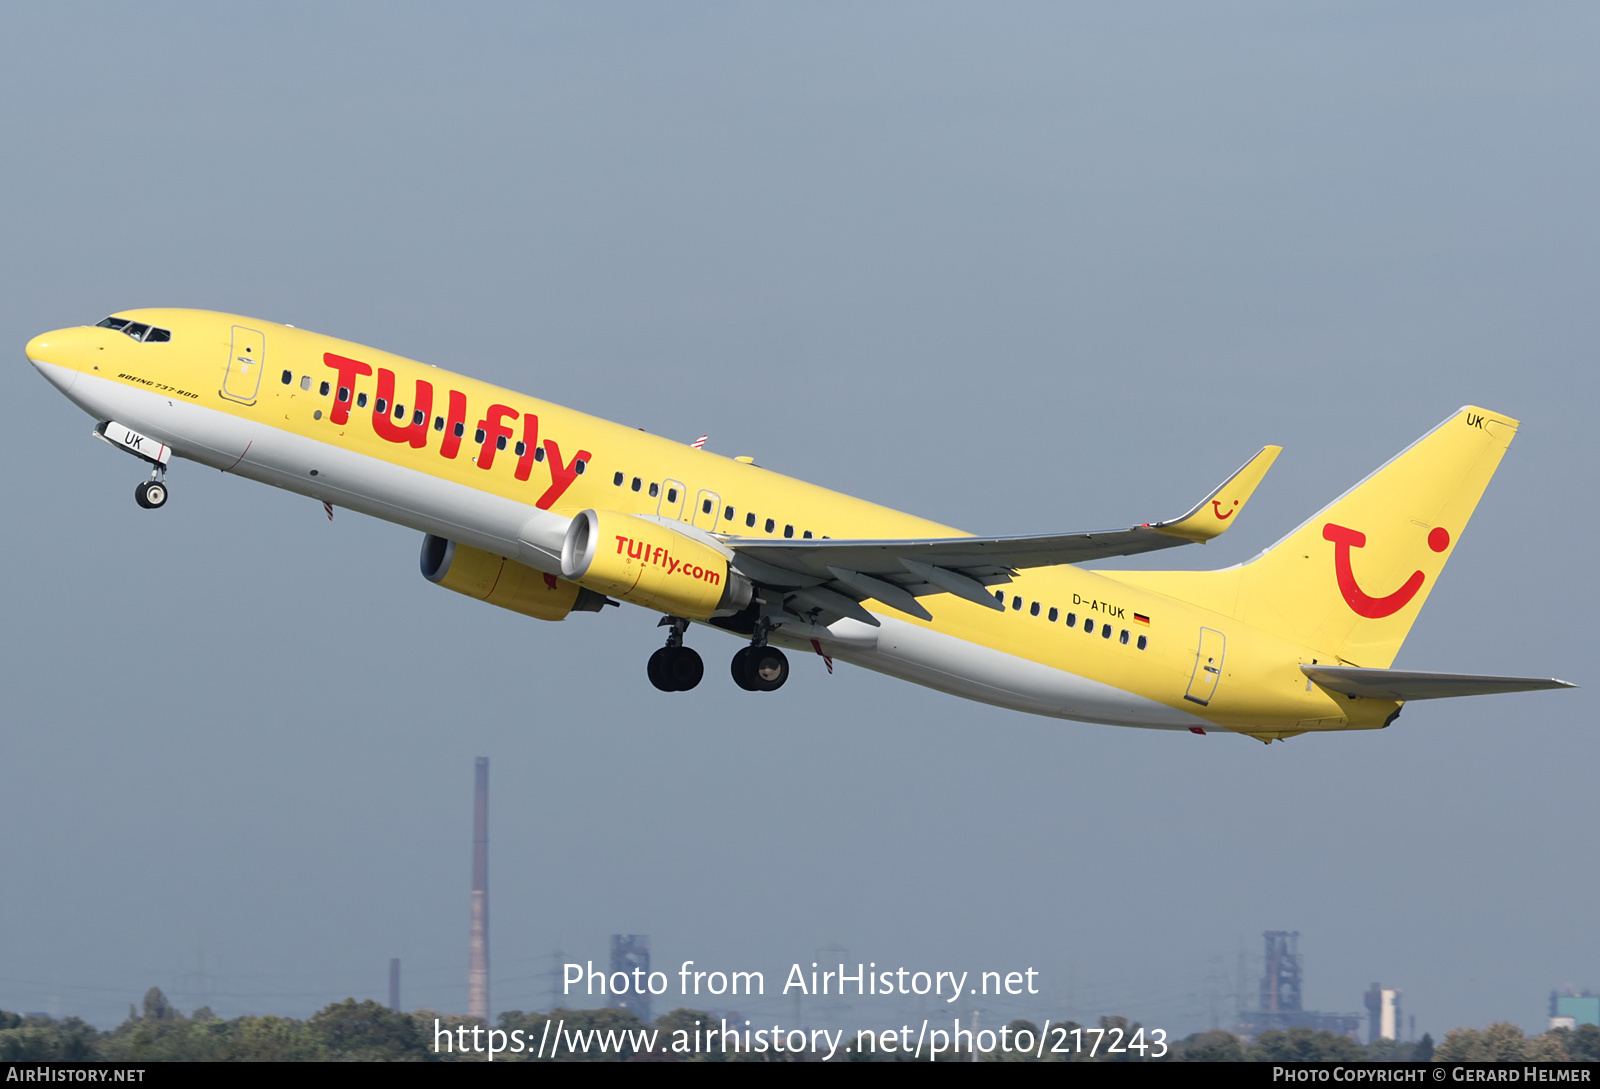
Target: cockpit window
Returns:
[138, 330]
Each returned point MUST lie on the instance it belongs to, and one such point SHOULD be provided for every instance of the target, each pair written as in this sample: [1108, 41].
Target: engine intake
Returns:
[652, 565]
[502, 581]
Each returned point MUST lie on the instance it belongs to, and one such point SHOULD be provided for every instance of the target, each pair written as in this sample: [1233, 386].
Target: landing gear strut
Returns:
[758, 667]
[675, 667]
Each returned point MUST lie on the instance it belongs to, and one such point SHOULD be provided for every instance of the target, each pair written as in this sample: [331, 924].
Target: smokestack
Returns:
[478, 965]
[394, 983]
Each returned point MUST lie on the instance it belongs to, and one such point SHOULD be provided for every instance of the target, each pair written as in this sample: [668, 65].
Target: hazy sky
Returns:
[1019, 268]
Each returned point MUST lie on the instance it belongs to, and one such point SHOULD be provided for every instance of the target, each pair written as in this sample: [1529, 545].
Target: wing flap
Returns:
[1402, 684]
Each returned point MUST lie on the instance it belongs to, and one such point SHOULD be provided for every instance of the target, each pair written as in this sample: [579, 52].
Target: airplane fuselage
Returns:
[505, 472]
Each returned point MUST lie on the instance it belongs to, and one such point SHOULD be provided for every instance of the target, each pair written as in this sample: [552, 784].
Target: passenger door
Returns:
[1207, 667]
[247, 358]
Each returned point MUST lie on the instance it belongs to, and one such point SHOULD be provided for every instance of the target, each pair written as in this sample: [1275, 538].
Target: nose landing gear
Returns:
[675, 667]
[152, 494]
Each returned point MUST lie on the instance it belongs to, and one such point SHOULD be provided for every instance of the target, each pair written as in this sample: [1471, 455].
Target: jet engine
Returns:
[503, 582]
[651, 564]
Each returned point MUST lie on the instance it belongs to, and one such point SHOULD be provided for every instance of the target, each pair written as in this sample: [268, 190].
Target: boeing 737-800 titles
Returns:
[547, 511]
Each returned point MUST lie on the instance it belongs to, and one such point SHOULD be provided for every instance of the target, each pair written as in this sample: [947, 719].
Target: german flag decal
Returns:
[1141, 618]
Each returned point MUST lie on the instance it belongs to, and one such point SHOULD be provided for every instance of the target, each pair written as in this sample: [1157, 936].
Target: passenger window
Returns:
[499, 442]
[438, 423]
[578, 466]
[617, 480]
[380, 406]
[344, 395]
[1016, 604]
[1033, 610]
[1105, 631]
[1054, 612]
[807, 534]
[1000, 596]
[672, 495]
[788, 531]
[750, 520]
[520, 449]
[418, 419]
[1088, 624]
[361, 400]
[538, 454]
[655, 489]
[479, 436]
[1143, 642]
[305, 381]
[157, 336]
[705, 506]
[771, 525]
[728, 514]
[288, 377]
[459, 429]
[324, 388]
[637, 483]
[399, 412]
[1072, 620]
[1123, 639]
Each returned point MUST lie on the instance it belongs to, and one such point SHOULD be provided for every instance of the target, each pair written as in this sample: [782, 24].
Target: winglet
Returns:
[1214, 514]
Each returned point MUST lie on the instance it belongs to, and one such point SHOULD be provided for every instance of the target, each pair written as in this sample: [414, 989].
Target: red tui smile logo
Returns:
[1364, 604]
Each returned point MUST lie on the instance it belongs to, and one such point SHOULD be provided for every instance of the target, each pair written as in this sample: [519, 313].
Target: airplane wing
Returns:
[1401, 684]
[834, 576]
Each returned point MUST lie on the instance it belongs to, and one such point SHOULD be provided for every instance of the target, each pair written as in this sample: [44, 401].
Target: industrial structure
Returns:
[478, 944]
[1280, 994]
[1573, 1008]
[628, 952]
[1383, 1013]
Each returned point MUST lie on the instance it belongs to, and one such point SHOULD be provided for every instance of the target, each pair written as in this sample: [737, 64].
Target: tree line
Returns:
[370, 1032]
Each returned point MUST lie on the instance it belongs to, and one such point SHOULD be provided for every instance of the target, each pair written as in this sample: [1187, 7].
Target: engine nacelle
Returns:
[503, 582]
[652, 565]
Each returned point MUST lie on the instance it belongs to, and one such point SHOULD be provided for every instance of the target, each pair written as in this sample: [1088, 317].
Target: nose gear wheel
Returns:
[150, 494]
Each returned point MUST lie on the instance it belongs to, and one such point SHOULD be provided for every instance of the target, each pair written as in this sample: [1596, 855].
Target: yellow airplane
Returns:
[547, 511]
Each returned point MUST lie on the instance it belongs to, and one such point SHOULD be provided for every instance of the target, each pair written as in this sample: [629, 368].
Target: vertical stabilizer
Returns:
[1351, 579]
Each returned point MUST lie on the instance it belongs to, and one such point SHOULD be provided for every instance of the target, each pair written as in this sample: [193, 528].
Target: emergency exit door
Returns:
[707, 509]
[671, 504]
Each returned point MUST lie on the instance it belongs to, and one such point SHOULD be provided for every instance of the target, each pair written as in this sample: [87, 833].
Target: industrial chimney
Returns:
[478, 964]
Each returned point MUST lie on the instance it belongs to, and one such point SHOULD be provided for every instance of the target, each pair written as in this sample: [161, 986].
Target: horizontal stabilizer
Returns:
[1405, 684]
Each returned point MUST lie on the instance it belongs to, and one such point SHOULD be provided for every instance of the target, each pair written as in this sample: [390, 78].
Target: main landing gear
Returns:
[675, 667]
[758, 667]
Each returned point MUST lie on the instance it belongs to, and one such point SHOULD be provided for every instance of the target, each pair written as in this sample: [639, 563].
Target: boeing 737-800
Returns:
[547, 511]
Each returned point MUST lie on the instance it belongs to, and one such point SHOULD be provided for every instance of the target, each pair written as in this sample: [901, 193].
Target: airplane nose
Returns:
[57, 355]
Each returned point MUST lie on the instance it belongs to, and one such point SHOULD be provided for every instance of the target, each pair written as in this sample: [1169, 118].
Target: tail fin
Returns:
[1351, 580]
